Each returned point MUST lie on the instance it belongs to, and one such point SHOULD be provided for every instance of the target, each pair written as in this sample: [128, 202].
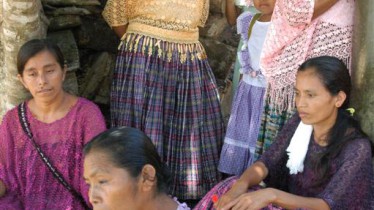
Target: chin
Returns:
[306, 121]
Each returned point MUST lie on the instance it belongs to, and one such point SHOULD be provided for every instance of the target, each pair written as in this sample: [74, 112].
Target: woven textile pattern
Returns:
[30, 184]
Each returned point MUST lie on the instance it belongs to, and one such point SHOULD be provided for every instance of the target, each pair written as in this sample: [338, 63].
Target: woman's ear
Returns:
[340, 98]
[148, 179]
[20, 78]
[64, 72]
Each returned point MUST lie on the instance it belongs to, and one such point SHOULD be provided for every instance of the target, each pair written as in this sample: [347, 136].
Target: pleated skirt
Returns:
[168, 91]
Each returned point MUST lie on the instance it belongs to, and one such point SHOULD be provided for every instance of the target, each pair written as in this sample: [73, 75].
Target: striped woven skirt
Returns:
[272, 121]
[168, 91]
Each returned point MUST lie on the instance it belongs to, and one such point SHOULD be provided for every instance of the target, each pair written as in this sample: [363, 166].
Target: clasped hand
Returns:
[246, 201]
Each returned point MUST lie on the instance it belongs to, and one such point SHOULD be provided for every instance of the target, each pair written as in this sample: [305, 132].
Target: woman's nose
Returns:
[93, 196]
[42, 80]
[300, 101]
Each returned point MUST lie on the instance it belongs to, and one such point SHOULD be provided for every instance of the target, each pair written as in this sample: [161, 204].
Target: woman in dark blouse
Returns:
[320, 160]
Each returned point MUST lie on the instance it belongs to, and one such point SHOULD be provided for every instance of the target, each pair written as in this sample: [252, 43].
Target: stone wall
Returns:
[90, 47]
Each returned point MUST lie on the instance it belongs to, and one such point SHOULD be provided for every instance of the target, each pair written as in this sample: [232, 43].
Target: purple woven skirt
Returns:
[242, 130]
[170, 93]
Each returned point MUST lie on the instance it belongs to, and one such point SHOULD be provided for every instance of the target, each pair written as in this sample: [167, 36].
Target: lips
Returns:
[44, 91]
[303, 114]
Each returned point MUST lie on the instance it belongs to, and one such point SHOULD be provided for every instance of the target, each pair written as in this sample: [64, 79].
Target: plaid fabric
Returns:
[176, 104]
[220, 189]
[272, 121]
[242, 130]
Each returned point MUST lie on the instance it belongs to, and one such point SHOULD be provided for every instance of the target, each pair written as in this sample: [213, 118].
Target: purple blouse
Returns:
[351, 181]
[30, 185]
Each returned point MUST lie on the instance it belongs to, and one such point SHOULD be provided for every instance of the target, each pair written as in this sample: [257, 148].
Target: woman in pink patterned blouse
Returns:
[60, 125]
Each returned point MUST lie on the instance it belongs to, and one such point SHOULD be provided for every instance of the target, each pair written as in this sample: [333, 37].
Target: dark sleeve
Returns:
[351, 187]
[275, 158]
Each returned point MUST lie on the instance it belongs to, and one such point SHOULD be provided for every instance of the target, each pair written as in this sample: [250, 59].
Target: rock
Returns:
[65, 40]
[103, 95]
[216, 6]
[68, 11]
[215, 26]
[71, 83]
[220, 56]
[64, 22]
[96, 34]
[229, 36]
[71, 2]
[96, 82]
[94, 10]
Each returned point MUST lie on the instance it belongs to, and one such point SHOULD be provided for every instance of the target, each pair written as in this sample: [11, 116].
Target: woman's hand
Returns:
[251, 201]
[237, 190]
[2, 189]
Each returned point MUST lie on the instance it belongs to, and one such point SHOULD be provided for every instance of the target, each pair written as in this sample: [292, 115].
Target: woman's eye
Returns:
[103, 181]
[50, 70]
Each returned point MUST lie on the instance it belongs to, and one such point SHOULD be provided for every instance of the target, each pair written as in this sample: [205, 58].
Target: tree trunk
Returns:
[363, 65]
[21, 20]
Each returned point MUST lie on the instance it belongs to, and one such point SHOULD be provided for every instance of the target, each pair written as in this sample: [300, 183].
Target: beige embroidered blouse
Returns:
[169, 20]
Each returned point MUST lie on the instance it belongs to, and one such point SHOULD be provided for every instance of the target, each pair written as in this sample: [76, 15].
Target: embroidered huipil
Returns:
[174, 21]
[294, 36]
[30, 185]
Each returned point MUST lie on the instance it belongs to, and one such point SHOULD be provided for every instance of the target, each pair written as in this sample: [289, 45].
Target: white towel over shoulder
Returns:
[298, 148]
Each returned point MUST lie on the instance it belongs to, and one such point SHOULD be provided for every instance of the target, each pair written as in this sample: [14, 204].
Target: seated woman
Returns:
[124, 171]
[41, 140]
[320, 160]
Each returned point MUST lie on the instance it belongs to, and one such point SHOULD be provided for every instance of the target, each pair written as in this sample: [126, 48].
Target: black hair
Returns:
[130, 149]
[335, 77]
[35, 46]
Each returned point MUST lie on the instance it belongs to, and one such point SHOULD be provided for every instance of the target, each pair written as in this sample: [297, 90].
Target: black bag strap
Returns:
[26, 128]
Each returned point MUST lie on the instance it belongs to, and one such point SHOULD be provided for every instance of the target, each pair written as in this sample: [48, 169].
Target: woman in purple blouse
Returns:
[320, 160]
[59, 124]
[125, 172]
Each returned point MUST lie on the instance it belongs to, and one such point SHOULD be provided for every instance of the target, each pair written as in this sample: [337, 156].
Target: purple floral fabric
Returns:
[30, 185]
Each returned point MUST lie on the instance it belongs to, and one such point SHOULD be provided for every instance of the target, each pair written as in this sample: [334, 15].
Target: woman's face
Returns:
[110, 187]
[266, 7]
[43, 76]
[314, 103]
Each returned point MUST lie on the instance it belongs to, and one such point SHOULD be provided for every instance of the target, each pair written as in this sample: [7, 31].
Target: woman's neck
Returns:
[265, 18]
[161, 202]
[320, 134]
[50, 111]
